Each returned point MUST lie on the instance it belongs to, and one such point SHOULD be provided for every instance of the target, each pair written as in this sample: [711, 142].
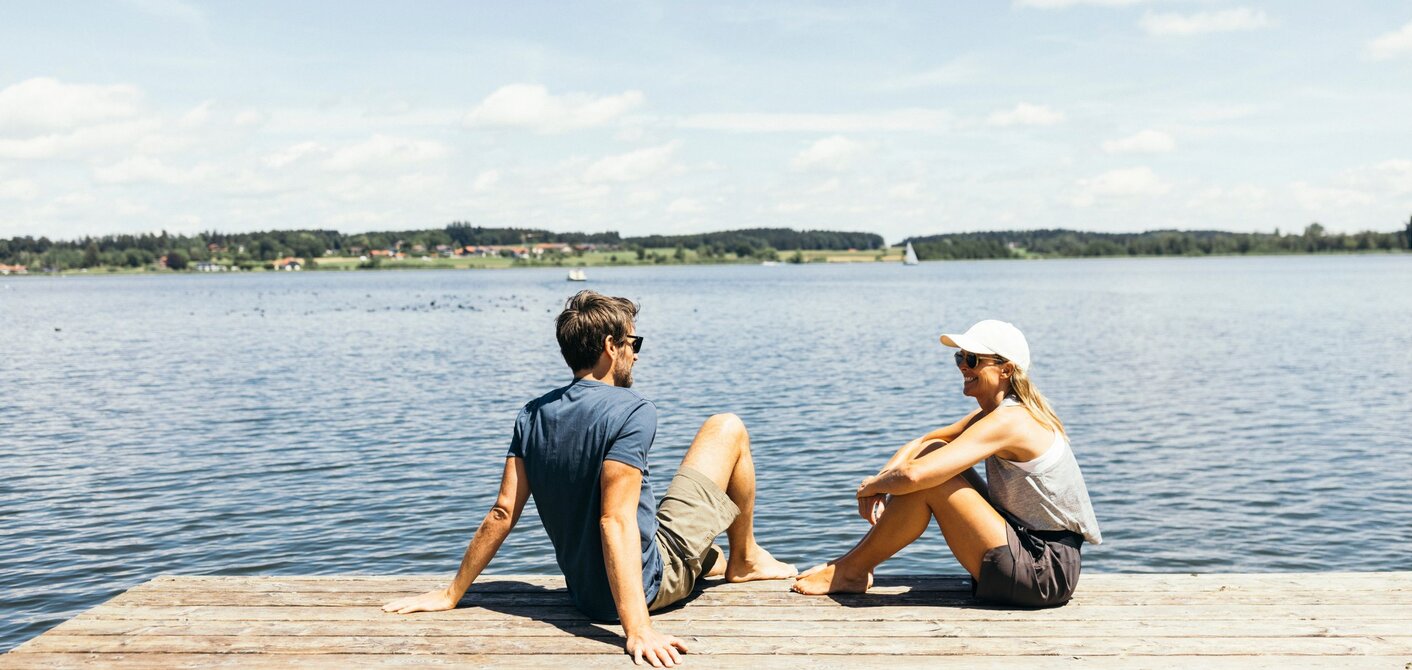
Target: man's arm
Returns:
[514, 491]
[622, 558]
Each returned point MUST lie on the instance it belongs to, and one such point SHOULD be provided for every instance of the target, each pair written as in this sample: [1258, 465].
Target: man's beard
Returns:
[622, 374]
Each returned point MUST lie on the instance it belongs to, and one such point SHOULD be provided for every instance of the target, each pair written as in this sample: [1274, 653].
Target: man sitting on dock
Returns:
[581, 450]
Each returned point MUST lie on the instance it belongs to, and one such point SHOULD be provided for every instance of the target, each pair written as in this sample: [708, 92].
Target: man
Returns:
[581, 450]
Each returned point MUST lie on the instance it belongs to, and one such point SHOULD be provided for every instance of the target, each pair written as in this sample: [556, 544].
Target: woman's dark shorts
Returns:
[1034, 569]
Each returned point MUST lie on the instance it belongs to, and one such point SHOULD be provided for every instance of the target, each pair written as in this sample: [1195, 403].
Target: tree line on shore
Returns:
[256, 248]
[1077, 244]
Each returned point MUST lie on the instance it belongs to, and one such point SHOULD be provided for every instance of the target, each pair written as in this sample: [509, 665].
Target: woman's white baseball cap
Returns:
[998, 338]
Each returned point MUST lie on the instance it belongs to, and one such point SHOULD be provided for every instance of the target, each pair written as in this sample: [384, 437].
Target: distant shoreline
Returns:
[891, 256]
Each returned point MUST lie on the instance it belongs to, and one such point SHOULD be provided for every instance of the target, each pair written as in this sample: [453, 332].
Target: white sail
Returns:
[911, 257]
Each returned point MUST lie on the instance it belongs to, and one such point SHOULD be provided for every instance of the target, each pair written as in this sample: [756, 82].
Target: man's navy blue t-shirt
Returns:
[564, 437]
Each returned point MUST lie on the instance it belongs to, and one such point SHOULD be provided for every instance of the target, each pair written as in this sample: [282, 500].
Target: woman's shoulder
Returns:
[1020, 435]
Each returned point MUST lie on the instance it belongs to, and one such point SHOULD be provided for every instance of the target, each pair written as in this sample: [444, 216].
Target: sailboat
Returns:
[911, 256]
[577, 274]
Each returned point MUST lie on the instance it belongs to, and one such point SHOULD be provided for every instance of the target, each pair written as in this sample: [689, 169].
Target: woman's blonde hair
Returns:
[1024, 390]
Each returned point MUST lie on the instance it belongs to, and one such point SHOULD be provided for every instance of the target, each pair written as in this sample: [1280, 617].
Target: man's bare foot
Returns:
[827, 578]
[718, 562]
[760, 565]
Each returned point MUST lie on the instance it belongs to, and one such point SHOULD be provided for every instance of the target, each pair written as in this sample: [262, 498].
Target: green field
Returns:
[602, 258]
[666, 256]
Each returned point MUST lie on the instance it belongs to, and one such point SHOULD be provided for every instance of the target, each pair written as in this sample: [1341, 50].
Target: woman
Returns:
[1020, 538]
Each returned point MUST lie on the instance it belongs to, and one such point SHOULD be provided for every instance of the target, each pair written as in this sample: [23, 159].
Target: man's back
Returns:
[564, 436]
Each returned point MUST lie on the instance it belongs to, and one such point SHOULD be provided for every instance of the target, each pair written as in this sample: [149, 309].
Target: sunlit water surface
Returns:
[1230, 414]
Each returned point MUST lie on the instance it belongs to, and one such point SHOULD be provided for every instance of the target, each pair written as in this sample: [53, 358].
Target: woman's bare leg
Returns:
[967, 520]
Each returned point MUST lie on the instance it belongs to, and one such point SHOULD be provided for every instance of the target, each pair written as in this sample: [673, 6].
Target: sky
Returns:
[643, 117]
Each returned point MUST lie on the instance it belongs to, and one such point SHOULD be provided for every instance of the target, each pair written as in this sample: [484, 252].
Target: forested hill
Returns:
[1073, 243]
[761, 238]
[141, 250]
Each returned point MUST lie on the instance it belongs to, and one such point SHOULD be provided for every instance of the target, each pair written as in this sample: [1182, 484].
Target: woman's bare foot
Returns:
[828, 578]
[759, 565]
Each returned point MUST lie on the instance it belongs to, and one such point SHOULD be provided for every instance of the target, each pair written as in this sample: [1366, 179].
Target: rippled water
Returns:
[1230, 414]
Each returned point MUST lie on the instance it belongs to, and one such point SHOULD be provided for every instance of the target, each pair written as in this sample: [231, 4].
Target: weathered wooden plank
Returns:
[1089, 583]
[412, 626]
[1362, 619]
[124, 661]
[935, 646]
[732, 598]
[971, 612]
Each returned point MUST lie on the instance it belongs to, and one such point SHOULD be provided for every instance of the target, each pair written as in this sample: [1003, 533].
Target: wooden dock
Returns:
[1284, 621]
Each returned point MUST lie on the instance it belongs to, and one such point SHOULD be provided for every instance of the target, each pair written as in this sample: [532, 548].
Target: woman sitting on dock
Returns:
[1019, 539]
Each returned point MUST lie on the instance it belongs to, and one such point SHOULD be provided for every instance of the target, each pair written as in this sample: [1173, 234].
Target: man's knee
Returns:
[727, 425]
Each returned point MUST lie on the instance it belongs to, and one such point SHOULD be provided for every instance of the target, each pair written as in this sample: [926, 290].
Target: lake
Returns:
[1229, 414]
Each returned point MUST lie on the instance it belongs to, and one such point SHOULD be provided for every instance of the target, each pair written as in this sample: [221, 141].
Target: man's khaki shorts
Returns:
[691, 515]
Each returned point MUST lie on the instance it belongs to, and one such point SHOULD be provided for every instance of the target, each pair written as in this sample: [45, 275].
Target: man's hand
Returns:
[659, 650]
[431, 601]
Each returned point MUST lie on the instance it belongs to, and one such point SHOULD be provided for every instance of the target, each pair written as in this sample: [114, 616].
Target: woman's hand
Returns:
[431, 601]
[868, 487]
[871, 508]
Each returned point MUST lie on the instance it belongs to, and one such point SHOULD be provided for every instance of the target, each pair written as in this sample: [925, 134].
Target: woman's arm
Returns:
[910, 450]
[972, 446]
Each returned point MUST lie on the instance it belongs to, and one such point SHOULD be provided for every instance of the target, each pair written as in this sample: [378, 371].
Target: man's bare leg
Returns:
[721, 451]
[967, 520]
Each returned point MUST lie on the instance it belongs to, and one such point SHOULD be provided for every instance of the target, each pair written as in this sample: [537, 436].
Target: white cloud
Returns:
[1329, 199]
[197, 116]
[953, 72]
[1126, 182]
[1200, 23]
[139, 169]
[1025, 114]
[383, 151]
[249, 118]
[906, 191]
[291, 154]
[1146, 141]
[1391, 45]
[18, 189]
[77, 142]
[830, 153]
[1064, 4]
[685, 206]
[1389, 177]
[1238, 197]
[486, 180]
[633, 165]
[912, 119]
[532, 106]
[168, 9]
[44, 104]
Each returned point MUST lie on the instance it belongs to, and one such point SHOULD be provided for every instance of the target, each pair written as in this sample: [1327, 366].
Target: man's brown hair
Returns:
[588, 317]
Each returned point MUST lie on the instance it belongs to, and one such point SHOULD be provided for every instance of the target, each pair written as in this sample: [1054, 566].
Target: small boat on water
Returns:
[910, 258]
[577, 274]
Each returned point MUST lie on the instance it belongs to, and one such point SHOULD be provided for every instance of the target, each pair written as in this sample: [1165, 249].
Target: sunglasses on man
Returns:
[636, 343]
[969, 360]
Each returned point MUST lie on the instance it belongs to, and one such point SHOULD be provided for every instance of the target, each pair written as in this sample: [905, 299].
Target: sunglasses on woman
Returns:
[636, 343]
[969, 360]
